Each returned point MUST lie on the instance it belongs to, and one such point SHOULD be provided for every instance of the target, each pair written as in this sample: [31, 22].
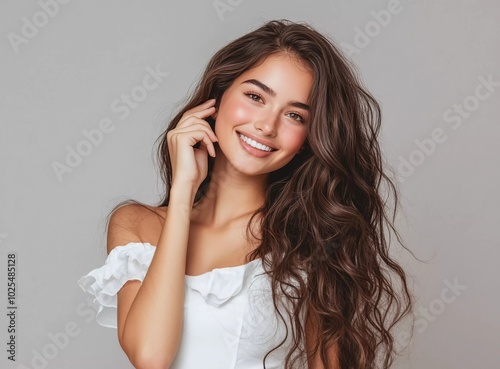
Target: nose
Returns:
[267, 124]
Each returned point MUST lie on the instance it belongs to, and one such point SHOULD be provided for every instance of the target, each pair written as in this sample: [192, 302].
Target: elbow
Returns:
[151, 363]
[144, 359]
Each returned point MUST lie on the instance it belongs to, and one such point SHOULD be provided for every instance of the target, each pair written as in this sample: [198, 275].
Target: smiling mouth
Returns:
[250, 142]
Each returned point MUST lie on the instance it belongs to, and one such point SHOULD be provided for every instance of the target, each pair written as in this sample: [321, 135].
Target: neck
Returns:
[231, 196]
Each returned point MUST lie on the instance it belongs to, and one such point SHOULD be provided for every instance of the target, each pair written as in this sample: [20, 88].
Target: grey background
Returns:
[63, 80]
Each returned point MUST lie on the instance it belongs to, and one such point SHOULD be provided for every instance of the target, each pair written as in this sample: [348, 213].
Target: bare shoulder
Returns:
[135, 223]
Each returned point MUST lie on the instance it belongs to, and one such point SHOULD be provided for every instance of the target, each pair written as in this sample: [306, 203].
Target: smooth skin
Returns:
[151, 313]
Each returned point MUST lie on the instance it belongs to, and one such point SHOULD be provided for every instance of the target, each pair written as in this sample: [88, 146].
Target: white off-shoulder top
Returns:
[229, 317]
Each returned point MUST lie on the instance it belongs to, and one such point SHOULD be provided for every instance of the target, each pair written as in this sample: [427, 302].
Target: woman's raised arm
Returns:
[151, 313]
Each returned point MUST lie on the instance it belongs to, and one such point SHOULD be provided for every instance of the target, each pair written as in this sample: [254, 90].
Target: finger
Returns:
[199, 124]
[185, 119]
[202, 136]
[193, 137]
[202, 107]
[209, 145]
[209, 149]
[202, 113]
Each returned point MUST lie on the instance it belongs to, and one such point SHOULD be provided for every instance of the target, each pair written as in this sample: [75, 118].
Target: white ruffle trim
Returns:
[124, 263]
[131, 262]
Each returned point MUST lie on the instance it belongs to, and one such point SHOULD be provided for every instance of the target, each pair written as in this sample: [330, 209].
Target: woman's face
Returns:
[267, 104]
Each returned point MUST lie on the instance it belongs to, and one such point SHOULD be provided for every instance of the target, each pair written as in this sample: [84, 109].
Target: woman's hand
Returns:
[190, 165]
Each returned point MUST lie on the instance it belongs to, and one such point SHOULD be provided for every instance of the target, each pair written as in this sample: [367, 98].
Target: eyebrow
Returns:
[271, 92]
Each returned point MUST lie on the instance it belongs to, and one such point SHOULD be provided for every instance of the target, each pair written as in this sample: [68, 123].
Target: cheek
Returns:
[294, 138]
[232, 113]
[237, 112]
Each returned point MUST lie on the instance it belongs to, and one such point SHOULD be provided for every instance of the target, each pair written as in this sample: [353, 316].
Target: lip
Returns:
[252, 150]
[258, 139]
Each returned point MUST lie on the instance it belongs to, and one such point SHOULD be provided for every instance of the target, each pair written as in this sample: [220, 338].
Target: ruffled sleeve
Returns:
[124, 263]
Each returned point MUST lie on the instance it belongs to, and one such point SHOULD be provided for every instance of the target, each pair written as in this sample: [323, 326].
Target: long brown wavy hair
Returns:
[324, 212]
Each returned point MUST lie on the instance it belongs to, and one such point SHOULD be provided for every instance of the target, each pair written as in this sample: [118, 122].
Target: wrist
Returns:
[182, 193]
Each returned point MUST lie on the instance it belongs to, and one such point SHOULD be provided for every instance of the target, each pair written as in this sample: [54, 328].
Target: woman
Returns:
[269, 246]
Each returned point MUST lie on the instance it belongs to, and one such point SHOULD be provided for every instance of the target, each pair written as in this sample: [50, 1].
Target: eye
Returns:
[300, 117]
[251, 95]
[256, 96]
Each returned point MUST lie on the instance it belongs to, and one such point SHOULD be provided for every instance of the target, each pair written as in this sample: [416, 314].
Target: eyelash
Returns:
[249, 94]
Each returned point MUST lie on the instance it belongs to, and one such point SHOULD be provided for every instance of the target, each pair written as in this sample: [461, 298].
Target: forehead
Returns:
[289, 77]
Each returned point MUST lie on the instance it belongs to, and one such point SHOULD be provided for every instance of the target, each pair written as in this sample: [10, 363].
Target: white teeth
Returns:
[255, 144]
